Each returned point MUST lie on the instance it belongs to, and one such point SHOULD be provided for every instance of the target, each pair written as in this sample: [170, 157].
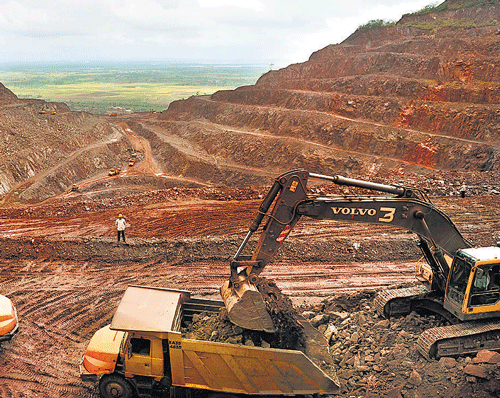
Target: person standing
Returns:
[463, 190]
[120, 226]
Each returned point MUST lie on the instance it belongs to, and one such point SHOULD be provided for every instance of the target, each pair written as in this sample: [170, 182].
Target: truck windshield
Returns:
[458, 280]
[124, 341]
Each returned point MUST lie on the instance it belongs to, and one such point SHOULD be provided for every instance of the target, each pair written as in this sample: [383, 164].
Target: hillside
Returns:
[420, 98]
[387, 98]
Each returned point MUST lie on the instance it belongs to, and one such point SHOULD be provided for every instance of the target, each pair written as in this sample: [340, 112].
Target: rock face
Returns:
[419, 97]
[421, 94]
[45, 147]
[6, 96]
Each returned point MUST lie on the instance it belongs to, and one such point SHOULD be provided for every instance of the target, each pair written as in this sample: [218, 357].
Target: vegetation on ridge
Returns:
[462, 23]
[436, 7]
[376, 23]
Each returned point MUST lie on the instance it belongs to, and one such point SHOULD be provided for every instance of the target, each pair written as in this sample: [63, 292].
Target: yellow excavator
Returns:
[459, 282]
[8, 319]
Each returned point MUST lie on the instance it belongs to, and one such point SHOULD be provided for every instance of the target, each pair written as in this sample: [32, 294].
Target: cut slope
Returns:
[420, 97]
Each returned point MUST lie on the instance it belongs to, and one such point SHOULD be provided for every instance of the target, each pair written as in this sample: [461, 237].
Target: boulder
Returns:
[319, 320]
[415, 379]
[354, 338]
[394, 393]
[476, 371]
[486, 356]
[384, 323]
[331, 331]
[447, 362]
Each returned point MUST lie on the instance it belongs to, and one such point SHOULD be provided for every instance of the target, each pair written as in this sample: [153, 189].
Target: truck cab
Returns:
[473, 289]
[131, 355]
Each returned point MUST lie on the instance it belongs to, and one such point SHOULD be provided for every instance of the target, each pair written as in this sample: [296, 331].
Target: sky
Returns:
[259, 32]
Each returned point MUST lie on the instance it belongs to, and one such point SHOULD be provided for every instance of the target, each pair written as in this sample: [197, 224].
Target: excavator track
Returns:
[398, 302]
[444, 341]
[460, 339]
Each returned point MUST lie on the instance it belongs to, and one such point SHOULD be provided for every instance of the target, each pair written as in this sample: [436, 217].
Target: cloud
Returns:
[248, 4]
[18, 17]
[258, 31]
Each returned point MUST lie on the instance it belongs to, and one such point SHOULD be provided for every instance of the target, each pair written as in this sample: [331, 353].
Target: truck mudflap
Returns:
[9, 323]
[102, 352]
[249, 370]
[460, 339]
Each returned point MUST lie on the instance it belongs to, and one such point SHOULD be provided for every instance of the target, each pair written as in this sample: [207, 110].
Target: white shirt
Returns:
[120, 224]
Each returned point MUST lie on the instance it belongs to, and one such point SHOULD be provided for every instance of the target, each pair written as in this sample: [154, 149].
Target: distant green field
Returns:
[138, 87]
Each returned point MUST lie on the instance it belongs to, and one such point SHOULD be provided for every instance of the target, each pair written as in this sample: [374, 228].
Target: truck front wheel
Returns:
[114, 386]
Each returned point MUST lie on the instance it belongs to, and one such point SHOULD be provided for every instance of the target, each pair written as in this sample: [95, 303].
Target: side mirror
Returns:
[129, 350]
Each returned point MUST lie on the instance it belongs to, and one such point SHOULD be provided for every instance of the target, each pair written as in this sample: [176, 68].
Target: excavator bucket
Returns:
[246, 306]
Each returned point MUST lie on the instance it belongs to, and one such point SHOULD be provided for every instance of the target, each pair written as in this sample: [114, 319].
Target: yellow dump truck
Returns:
[142, 353]
[8, 319]
[114, 171]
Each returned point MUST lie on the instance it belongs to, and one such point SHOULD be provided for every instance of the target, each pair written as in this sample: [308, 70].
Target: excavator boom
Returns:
[402, 207]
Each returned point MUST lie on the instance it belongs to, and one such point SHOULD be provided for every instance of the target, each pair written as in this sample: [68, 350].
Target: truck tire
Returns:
[115, 386]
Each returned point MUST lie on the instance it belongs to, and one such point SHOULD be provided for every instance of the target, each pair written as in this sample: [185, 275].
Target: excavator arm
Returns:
[404, 208]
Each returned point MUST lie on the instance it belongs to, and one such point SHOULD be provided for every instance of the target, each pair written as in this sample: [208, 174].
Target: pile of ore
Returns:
[218, 327]
[289, 333]
[378, 357]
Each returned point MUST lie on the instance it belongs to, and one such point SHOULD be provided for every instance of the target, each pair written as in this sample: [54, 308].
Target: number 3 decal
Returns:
[389, 215]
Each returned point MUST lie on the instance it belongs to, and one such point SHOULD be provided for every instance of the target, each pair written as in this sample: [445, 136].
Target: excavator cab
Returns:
[473, 290]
